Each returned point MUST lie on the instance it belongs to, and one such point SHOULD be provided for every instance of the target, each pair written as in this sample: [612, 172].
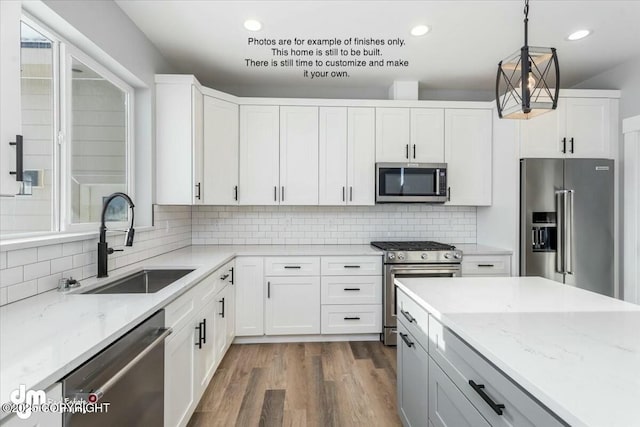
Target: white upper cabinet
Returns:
[578, 128]
[392, 134]
[427, 135]
[259, 155]
[361, 157]
[179, 143]
[410, 135]
[347, 156]
[468, 145]
[333, 156]
[298, 155]
[220, 152]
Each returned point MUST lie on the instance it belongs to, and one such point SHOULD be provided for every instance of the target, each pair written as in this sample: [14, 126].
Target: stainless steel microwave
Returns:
[411, 182]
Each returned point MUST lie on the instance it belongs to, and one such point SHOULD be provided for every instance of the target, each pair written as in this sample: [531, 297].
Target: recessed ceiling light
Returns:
[252, 25]
[419, 30]
[577, 35]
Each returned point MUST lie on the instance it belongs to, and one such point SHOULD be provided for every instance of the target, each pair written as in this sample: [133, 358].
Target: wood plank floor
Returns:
[338, 384]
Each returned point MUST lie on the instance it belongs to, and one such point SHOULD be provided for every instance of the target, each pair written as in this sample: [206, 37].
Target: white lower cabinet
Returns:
[292, 306]
[447, 405]
[412, 379]
[486, 265]
[179, 377]
[249, 286]
[352, 319]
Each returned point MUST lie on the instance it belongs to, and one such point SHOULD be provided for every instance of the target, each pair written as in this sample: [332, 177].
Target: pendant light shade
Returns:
[528, 81]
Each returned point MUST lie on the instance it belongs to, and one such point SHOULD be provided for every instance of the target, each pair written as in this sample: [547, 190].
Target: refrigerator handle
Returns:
[560, 198]
[568, 231]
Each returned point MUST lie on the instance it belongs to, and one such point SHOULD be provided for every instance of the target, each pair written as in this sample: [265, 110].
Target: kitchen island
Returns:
[573, 354]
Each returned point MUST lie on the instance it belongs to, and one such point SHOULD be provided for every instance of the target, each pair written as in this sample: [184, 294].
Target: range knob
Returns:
[424, 256]
[447, 256]
[391, 255]
[457, 255]
[400, 256]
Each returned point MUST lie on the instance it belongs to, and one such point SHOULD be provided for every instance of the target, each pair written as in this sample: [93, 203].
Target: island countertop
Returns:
[575, 351]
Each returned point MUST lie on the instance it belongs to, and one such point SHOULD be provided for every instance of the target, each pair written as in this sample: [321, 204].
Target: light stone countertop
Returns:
[473, 249]
[575, 351]
[43, 338]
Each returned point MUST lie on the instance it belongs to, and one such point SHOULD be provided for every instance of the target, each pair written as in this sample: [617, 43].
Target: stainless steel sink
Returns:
[141, 282]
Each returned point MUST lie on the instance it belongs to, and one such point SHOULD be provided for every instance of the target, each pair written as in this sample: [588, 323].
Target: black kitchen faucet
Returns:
[103, 247]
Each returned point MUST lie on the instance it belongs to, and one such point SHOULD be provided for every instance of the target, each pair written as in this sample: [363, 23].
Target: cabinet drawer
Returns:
[292, 266]
[351, 290]
[414, 317]
[182, 308]
[351, 265]
[486, 265]
[462, 364]
[351, 319]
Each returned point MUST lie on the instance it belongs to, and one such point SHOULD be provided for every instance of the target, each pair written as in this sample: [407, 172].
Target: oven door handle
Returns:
[426, 271]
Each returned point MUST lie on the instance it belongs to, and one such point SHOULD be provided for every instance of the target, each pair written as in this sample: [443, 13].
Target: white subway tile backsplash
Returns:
[22, 257]
[27, 272]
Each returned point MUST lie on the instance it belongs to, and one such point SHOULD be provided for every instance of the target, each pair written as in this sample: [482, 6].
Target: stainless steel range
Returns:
[412, 259]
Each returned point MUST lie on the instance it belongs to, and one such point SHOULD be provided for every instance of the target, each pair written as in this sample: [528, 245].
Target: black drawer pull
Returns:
[351, 266]
[224, 277]
[408, 316]
[486, 265]
[19, 172]
[351, 289]
[295, 267]
[406, 339]
[352, 318]
[497, 407]
[222, 302]
[199, 328]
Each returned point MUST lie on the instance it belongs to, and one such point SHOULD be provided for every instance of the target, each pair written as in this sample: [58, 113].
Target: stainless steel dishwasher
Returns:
[129, 375]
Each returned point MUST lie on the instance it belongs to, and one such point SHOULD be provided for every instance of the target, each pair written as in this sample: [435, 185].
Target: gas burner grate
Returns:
[413, 246]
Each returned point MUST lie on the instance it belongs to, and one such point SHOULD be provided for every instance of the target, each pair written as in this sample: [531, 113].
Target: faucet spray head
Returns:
[130, 233]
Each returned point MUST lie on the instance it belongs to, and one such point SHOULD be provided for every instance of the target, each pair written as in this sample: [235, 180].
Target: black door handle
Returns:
[222, 301]
[414, 151]
[295, 267]
[198, 193]
[235, 190]
[406, 339]
[564, 145]
[19, 172]
[352, 318]
[199, 329]
[204, 330]
[351, 289]
[351, 266]
[571, 149]
[232, 279]
[407, 151]
[486, 265]
[224, 277]
[408, 316]
[268, 289]
[479, 388]
[449, 194]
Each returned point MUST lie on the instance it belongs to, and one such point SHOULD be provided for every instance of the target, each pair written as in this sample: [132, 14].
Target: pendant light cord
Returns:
[526, 22]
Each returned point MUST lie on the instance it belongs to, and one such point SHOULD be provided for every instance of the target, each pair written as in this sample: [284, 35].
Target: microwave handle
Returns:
[437, 182]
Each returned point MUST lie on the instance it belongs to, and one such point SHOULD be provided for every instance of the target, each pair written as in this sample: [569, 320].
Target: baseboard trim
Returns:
[306, 338]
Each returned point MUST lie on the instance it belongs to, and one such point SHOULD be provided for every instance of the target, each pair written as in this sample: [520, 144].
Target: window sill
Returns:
[44, 239]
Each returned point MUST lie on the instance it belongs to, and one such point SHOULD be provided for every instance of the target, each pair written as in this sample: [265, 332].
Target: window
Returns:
[77, 139]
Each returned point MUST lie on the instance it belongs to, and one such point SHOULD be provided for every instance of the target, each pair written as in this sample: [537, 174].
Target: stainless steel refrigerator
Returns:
[566, 222]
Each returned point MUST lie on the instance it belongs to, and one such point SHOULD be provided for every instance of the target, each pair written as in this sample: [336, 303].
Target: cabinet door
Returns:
[541, 136]
[205, 354]
[220, 152]
[220, 323]
[230, 313]
[427, 135]
[197, 132]
[298, 155]
[39, 419]
[392, 134]
[333, 156]
[413, 380]
[249, 287]
[448, 407]
[10, 111]
[588, 125]
[259, 155]
[361, 157]
[292, 306]
[468, 156]
[179, 379]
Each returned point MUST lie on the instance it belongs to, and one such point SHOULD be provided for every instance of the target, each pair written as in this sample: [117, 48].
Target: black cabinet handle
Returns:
[343, 194]
[235, 192]
[406, 339]
[571, 149]
[295, 267]
[414, 151]
[268, 289]
[408, 316]
[407, 151]
[224, 277]
[199, 329]
[564, 145]
[449, 194]
[486, 265]
[352, 318]
[19, 172]
[351, 266]
[275, 193]
[222, 302]
[351, 194]
[204, 330]
[351, 289]
[282, 196]
[232, 280]
[479, 388]
[198, 192]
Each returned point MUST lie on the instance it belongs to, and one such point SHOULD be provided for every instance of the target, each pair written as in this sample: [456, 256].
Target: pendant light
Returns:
[528, 81]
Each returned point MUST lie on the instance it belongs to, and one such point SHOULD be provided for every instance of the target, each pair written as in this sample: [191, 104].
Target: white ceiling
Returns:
[461, 52]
